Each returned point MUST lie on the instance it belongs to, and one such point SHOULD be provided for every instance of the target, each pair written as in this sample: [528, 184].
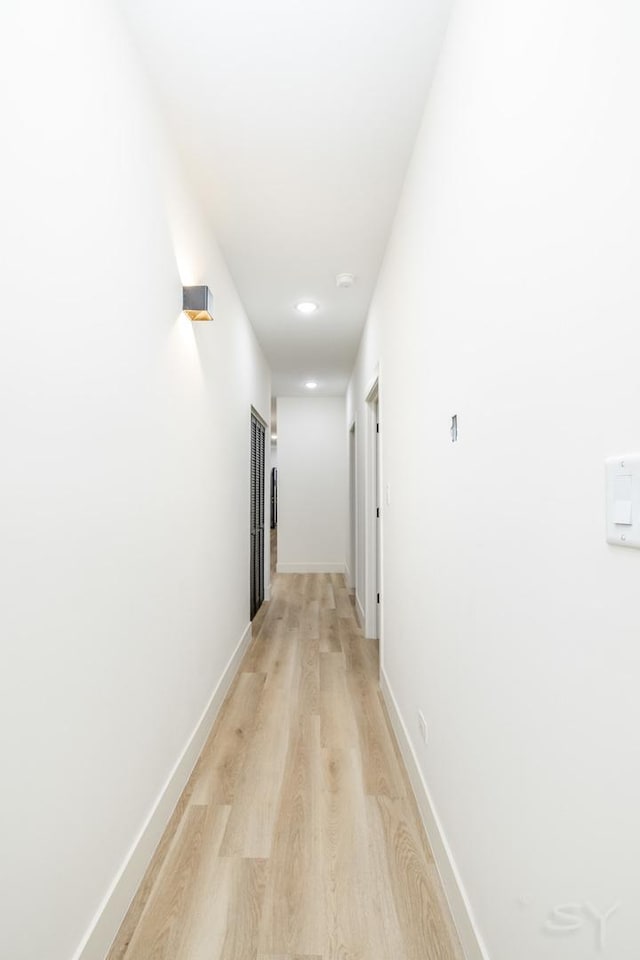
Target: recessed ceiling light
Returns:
[307, 307]
[311, 385]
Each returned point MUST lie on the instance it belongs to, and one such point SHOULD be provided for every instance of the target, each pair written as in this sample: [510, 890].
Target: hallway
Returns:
[402, 241]
[297, 835]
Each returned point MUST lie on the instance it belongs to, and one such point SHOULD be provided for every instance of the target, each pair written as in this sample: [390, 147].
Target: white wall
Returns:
[124, 486]
[312, 484]
[509, 295]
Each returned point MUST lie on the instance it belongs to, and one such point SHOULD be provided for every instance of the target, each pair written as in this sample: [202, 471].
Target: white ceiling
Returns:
[296, 119]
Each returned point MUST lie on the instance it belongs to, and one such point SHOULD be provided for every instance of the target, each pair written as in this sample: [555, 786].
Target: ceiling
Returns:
[296, 120]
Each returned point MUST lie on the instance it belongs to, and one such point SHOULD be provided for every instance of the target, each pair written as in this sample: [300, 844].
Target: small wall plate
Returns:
[623, 500]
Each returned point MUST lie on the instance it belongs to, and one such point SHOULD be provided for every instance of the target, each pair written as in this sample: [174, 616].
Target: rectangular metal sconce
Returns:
[197, 303]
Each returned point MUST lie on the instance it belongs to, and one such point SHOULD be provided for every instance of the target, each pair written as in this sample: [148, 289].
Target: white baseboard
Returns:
[310, 568]
[267, 592]
[107, 922]
[461, 912]
[348, 577]
[359, 612]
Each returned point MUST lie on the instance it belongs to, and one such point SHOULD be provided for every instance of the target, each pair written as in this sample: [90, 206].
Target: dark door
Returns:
[274, 498]
[257, 515]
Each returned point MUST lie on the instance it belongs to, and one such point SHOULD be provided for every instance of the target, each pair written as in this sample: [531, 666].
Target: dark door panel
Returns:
[257, 515]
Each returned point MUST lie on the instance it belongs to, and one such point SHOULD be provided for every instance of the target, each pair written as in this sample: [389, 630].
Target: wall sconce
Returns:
[197, 303]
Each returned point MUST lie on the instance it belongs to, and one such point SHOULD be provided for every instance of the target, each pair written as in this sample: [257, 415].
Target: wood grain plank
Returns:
[343, 603]
[427, 930]
[381, 768]
[131, 922]
[329, 632]
[346, 857]
[294, 918]
[204, 918]
[310, 621]
[224, 754]
[159, 929]
[223, 919]
[312, 586]
[245, 910]
[327, 595]
[257, 795]
[337, 720]
[288, 956]
[292, 588]
[309, 695]
[264, 651]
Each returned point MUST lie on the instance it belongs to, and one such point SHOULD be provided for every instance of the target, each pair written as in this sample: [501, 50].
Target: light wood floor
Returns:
[297, 837]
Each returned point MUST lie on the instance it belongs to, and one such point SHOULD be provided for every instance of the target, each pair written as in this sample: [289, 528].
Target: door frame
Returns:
[352, 436]
[266, 555]
[373, 625]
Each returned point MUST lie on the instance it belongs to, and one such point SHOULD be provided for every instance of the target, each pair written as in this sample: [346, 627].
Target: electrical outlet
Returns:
[422, 723]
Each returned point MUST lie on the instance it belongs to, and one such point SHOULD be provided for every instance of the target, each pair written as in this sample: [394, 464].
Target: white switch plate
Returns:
[623, 500]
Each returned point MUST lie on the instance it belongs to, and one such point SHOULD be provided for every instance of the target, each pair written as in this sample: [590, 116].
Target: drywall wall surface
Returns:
[509, 296]
[312, 484]
[124, 489]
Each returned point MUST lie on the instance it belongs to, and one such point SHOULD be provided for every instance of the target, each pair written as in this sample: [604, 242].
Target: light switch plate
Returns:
[623, 500]
[623, 512]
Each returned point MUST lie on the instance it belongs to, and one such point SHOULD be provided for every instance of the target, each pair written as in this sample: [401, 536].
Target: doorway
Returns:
[274, 498]
[353, 519]
[373, 526]
[256, 573]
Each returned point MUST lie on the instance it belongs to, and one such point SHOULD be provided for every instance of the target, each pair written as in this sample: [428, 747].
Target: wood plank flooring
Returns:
[297, 837]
